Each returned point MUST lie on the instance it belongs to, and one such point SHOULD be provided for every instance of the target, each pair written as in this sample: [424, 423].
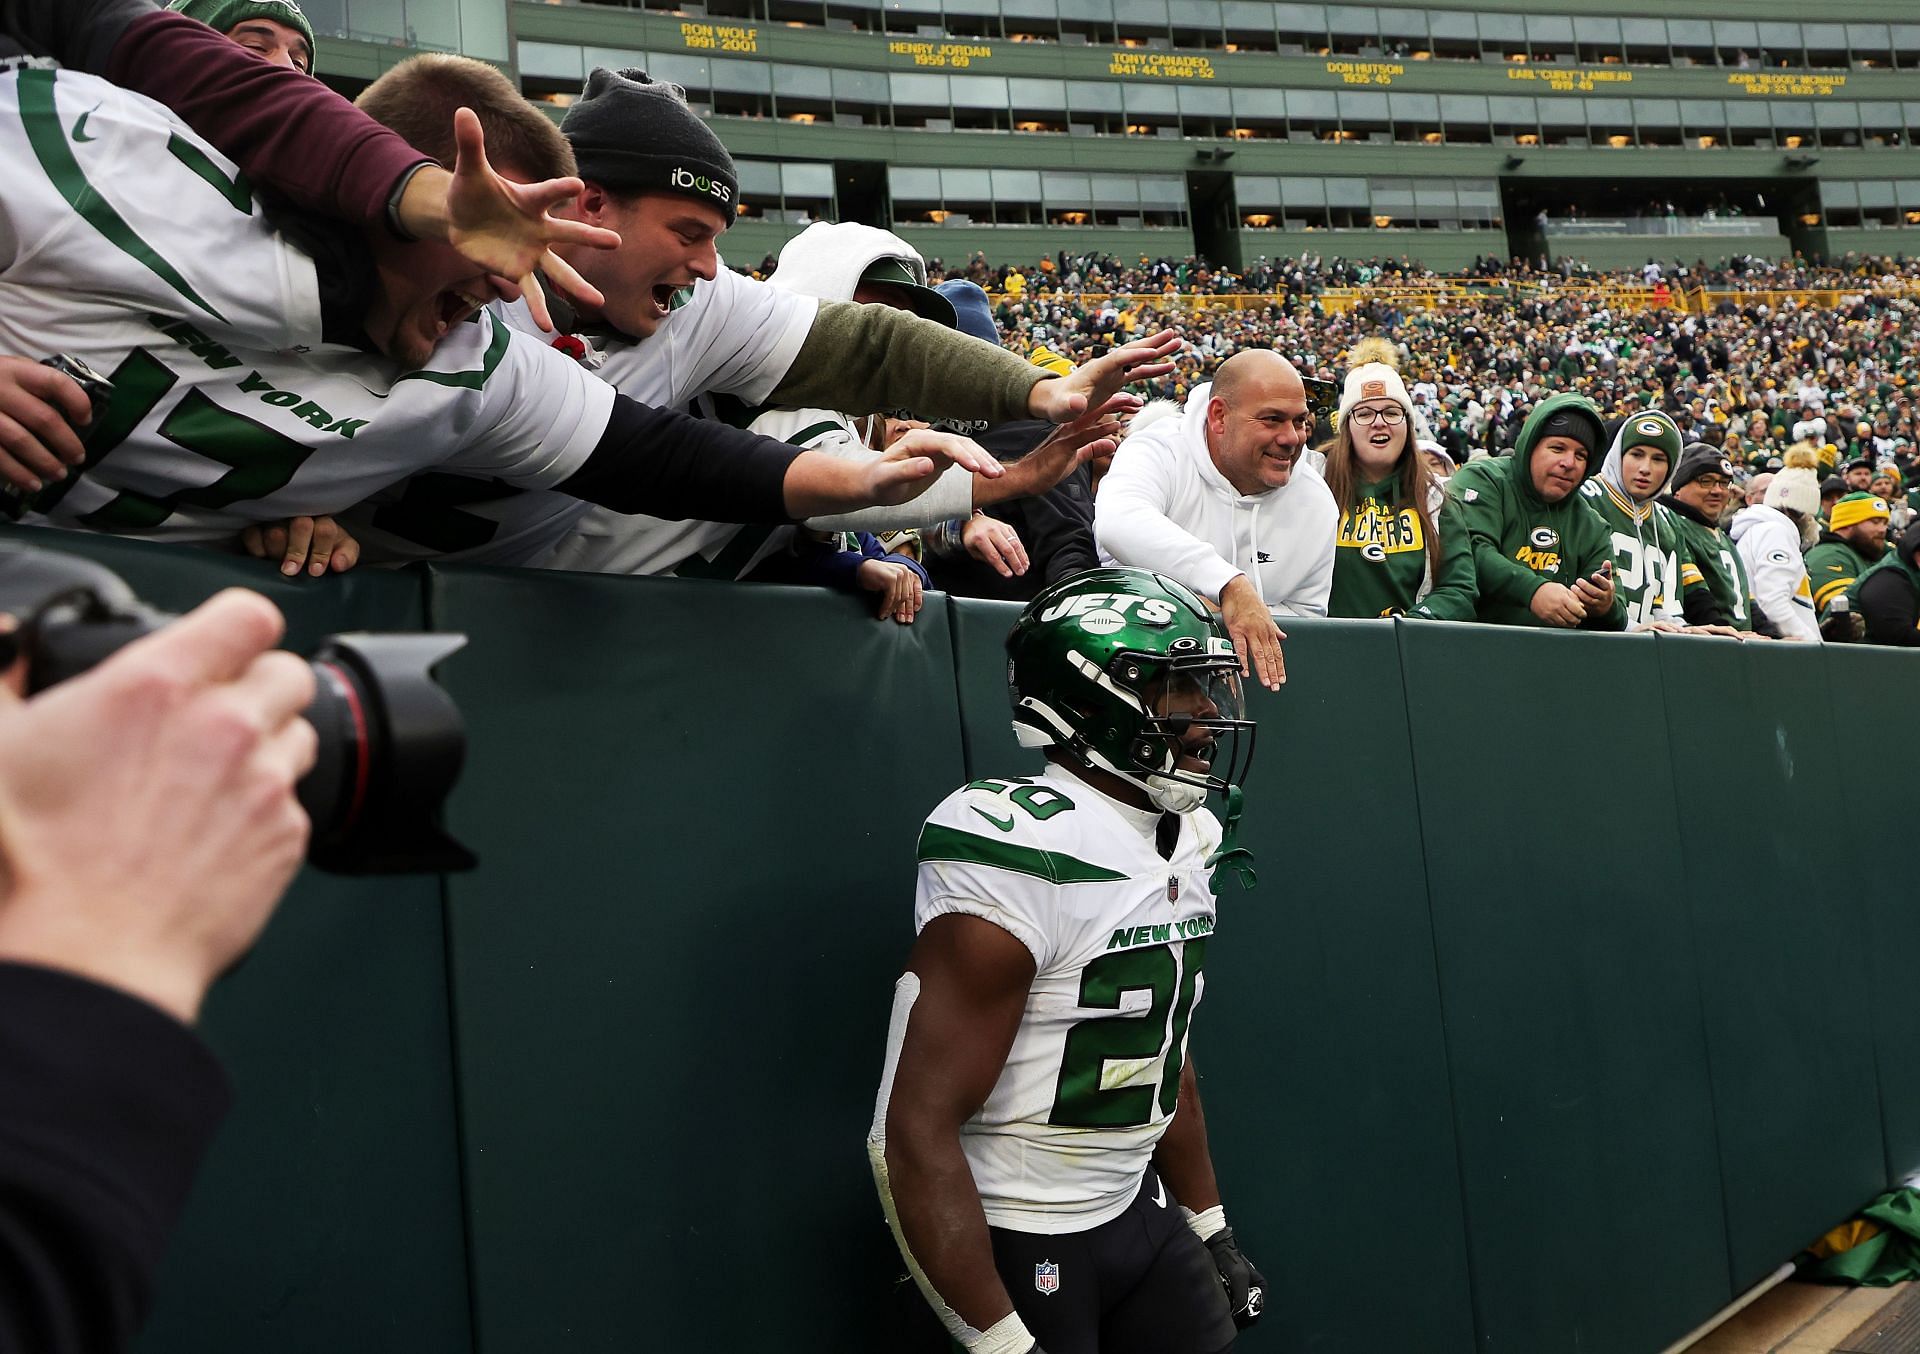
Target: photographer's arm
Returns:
[187, 743]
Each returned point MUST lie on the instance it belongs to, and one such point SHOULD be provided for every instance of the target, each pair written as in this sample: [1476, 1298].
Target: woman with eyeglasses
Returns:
[1401, 550]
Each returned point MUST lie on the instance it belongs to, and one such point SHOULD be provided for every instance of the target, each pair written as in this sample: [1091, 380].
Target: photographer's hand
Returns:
[148, 824]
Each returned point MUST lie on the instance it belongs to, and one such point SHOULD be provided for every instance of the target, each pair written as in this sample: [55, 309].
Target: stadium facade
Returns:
[1238, 129]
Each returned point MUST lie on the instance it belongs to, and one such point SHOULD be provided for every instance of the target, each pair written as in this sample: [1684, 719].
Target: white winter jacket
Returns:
[1769, 542]
[1165, 506]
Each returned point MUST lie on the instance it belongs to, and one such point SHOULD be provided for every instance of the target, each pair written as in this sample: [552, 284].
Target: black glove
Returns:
[1246, 1286]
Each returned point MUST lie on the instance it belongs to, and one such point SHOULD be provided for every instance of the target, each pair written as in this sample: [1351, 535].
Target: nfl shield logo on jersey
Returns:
[1046, 1277]
[1173, 888]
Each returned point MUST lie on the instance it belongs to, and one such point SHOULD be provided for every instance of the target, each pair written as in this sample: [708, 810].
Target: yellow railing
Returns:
[1439, 294]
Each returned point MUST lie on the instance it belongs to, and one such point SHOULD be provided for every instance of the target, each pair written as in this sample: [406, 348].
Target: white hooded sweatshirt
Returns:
[1165, 506]
[1769, 542]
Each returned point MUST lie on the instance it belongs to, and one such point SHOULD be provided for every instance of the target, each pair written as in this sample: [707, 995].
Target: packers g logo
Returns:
[1374, 551]
[1650, 427]
[699, 183]
[1544, 538]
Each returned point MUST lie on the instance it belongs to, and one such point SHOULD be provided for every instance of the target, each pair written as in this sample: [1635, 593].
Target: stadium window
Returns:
[1736, 42]
[1391, 203]
[691, 73]
[979, 102]
[1703, 123]
[1434, 206]
[1257, 197]
[1781, 45]
[1877, 203]
[1511, 116]
[1502, 37]
[1248, 27]
[744, 89]
[1792, 123]
[1152, 110]
[1840, 203]
[1352, 30]
[1906, 44]
[860, 98]
[1205, 110]
[1563, 121]
[1363, 116]
[1016, 197]
[1065, 194]
[1404, 32]
[1657, 121]
[1479, 204]
[1870, 45]
[1163, 200]
[803, 93]
[1826, 45]
[1610, 122]
[1301, 28]
[1196, 23]
[1749, 124]
[1303, 202]
[1093, 106]
[1259, 113]
[806, 191]
[1907, 194]
[1087, 21]
[1596, 40]
[919, 18]
[1311, 114]
[1644, 41]
[1691, 41]
[1549, 37]
[847, 16]
[1839, 123]
[1416, 118]
[1347, 203]
[916, 195]
[1455, 34]
[1038, 105]
[921, 101]
[1141, 20]
[759, 189]
[551, 62]
[1464, 118]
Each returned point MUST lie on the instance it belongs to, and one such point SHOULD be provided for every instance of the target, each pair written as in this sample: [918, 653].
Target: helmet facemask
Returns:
[1188, 708]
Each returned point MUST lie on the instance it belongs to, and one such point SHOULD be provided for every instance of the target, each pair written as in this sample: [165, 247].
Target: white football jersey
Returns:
[732, 336]
[128, 244]
[1119, 939]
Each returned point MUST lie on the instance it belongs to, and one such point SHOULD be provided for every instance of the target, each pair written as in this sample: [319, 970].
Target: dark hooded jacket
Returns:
[1887, 595]
[1520, 541]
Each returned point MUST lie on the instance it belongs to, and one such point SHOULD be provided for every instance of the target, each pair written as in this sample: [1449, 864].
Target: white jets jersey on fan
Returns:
[730, 336]
[131, 244]
[1119, 940]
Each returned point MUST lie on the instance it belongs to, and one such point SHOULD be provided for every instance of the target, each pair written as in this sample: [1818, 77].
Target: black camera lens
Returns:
[391, 741]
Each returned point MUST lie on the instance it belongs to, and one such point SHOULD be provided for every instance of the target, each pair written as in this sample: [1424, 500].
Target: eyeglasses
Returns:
[1713, 482]
[1390, 416]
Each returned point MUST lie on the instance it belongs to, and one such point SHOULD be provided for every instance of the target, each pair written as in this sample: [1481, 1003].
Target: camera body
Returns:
[391, 741]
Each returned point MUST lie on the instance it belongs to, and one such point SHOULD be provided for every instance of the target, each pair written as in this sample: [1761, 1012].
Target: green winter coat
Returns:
[1833, 567]
[1710, 552]
[1380, 560]
[1519, 540]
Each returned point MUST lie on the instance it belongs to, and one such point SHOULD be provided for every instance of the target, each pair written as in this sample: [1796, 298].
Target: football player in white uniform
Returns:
[1038, 1139]
[251, 385]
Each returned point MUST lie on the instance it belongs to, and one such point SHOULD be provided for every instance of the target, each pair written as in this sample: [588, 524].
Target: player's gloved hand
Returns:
[1246, 1286]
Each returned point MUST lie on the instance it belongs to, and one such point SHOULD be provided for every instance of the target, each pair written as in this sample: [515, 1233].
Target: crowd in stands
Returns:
[1489, 457]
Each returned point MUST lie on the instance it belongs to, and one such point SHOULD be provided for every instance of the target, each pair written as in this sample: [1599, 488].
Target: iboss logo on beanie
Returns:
[689, 182]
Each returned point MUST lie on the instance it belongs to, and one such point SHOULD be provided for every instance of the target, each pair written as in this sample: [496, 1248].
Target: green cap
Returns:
[223, 15]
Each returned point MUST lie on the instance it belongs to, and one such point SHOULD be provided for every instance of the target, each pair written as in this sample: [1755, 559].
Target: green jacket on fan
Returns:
[1519, 540]
[1728, 592]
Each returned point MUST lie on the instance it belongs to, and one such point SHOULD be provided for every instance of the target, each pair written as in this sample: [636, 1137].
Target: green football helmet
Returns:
[1129, 672]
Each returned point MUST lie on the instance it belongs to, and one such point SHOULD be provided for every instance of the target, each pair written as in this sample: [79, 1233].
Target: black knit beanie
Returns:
[633, 134]
[1699, 459]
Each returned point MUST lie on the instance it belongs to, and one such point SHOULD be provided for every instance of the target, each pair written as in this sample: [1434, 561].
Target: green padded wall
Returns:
[986, 724]
[1884, 746]
[1319, 1043]
[1567, 981]
[1793, 1068]
[328, 1215]
[699, 805]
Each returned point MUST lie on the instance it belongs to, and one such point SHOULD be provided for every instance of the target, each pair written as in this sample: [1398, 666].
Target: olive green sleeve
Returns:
[872, 359]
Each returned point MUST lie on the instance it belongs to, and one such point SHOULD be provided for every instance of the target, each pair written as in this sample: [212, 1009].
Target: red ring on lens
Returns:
[358, 799]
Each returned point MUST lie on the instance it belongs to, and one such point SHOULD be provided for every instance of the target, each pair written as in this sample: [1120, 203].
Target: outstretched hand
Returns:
[1092, 386]
[502, 226]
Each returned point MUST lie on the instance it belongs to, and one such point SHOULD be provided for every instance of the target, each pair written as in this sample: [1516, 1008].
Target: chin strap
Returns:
[1232, 858]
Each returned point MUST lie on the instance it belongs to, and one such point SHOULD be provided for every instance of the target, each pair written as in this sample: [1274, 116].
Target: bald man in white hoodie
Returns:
[1225, 500]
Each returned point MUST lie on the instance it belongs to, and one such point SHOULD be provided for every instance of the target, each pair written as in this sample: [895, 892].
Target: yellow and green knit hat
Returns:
[1858, 506]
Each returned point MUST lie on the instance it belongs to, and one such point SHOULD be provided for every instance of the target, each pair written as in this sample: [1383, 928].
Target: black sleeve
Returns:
[1701, 607]
[668, 464]
[79, 34]
[106, 1107]
[1059, 530]
[1888, 606]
